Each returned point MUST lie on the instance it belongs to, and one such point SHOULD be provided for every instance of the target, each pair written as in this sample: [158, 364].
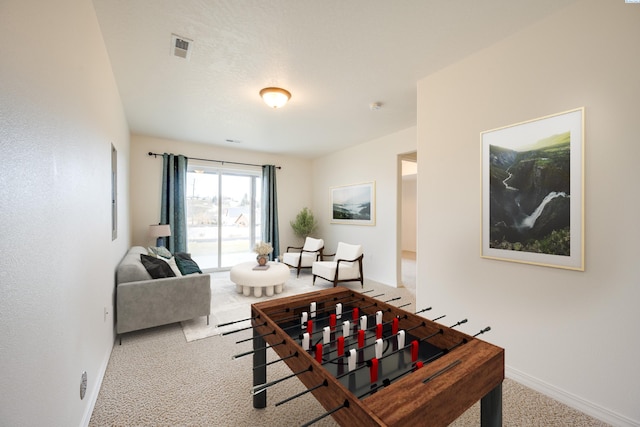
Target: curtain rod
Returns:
[218, 161]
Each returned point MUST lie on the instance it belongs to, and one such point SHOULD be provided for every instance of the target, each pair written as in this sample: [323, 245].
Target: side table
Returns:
[247, 279]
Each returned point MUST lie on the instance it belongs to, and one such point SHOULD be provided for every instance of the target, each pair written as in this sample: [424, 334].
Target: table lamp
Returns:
[159, 231]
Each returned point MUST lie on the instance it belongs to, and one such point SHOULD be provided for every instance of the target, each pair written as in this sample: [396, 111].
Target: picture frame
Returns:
[533, 191]
[114, 193]
[354, 204]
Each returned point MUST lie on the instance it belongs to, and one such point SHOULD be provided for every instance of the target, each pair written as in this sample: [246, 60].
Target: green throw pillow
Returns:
[185, 264]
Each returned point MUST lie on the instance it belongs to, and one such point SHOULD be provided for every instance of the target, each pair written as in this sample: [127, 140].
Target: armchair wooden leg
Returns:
[314, 280]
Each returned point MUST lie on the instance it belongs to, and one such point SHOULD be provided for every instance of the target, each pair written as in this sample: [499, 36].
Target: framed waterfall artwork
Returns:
[533, 191]
[354, 204]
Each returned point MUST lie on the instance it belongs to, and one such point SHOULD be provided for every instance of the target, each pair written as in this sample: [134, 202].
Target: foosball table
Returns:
[370, 363]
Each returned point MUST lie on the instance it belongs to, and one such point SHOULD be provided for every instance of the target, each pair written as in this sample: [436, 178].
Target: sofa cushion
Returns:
[186, 264]
[156, 267]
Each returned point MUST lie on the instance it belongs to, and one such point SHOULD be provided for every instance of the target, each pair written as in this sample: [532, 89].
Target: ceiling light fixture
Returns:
[275, 97]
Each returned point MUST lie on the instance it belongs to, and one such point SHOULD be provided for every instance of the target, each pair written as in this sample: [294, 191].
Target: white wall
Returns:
[409, 212]
[293, 180]
[571, 334]
[59, 113]
[377, 161]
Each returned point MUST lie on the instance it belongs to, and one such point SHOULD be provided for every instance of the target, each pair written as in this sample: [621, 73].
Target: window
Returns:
[223, 214]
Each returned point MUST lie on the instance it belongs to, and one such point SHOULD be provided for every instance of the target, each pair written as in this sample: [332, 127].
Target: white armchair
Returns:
[305, 256]
[345, 267]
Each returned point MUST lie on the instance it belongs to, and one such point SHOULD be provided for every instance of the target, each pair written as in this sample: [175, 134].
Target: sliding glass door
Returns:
[223, 215]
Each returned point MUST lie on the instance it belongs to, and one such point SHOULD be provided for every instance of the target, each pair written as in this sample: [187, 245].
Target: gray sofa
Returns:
[143, 302]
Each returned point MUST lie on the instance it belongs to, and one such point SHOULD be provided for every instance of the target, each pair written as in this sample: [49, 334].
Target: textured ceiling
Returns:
[336, 57]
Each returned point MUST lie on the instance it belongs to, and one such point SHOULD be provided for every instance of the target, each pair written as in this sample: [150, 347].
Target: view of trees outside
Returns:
[220, 219]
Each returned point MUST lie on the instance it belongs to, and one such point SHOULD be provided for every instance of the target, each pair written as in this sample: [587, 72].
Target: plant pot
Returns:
[262, 259]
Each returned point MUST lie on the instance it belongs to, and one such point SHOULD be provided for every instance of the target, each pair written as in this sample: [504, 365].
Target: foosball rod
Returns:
[325, 383]
[286, 310]
[353, 335]
[334, 299]
[405, 330]
[423, 310]
[373, 327]
[459, 323]
[363, 307]
[243, 329]
[236, 321]
[324, 362]
[246, 353]
[436, 356]
[322, 310]
[282, 359]
[441, 371]
[388, 337]
[345, 312]
[326, 414]
[487, 329]
[262, 387]
[393, 352]
[257, 336]
[386, 382]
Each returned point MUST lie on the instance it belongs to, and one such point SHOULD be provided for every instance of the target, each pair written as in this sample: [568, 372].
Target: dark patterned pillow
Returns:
[156, 267]
[185, 264]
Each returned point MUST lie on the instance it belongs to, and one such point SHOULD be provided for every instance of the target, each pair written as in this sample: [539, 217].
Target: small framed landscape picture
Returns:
[354, 204]
[533, 191]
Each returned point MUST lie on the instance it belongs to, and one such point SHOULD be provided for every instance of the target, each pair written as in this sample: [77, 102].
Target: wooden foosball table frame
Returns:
[433, 395]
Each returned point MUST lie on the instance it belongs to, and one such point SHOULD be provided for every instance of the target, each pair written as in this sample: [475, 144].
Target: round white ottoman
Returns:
[271, 280]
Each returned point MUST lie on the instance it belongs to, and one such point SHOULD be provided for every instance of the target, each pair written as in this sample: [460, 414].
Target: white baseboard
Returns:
[95, 391]
[576, 402]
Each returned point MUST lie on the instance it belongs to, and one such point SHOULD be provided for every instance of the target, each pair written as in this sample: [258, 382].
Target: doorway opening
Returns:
[407, 244]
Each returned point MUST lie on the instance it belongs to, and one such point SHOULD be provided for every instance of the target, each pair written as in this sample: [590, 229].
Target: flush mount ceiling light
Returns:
[275, 97]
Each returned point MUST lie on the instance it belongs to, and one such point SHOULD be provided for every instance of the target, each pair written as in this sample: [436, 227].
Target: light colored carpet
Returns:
[227, 305]
[157, 378]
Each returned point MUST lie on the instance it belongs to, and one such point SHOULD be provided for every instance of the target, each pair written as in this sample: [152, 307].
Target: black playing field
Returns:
[394, 360]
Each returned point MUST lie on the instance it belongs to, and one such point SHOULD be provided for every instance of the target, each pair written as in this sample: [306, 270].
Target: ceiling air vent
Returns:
[181, 46]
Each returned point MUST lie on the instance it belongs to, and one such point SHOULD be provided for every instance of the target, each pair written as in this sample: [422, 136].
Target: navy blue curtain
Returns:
[172, 208]
[269, 218]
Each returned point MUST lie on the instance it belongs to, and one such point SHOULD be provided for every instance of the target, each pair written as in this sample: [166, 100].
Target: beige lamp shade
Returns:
[159, 230]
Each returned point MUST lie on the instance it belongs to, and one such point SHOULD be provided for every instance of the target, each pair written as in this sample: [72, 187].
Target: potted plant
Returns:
[304, 224]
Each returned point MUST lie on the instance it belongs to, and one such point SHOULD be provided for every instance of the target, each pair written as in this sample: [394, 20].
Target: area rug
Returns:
[229, 306]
